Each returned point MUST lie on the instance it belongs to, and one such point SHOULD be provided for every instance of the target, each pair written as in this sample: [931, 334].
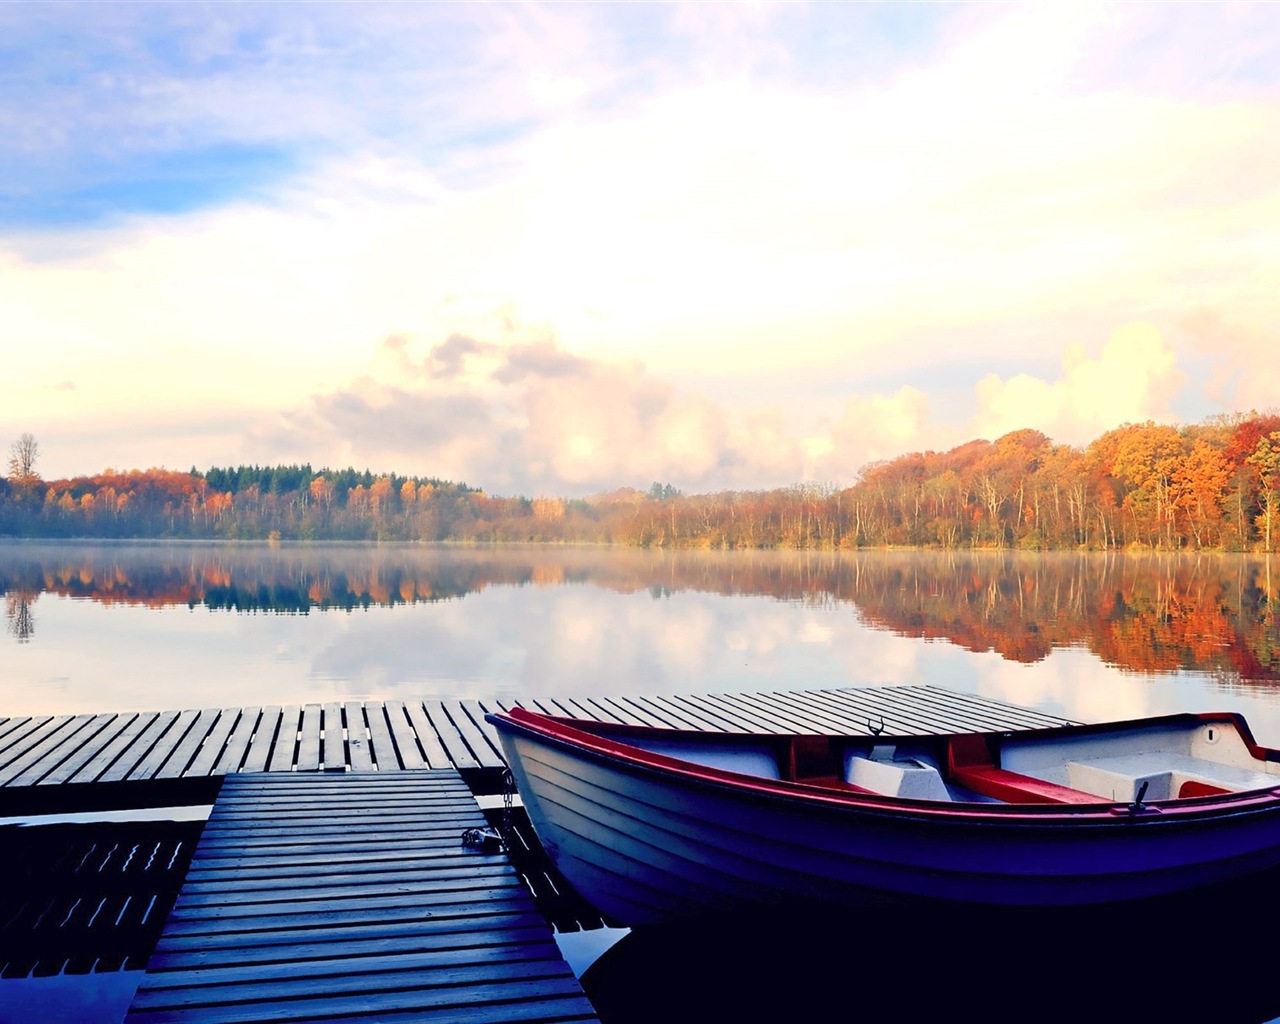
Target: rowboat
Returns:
[659, 825]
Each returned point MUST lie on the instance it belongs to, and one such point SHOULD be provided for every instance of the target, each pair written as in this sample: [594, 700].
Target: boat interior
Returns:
[1175, 758]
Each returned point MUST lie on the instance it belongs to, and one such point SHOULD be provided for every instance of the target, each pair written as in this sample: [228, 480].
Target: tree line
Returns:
[1208, 486]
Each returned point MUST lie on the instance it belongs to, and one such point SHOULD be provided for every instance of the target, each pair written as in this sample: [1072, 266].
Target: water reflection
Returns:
[1150, 614]
[1154, 962]
[19, 620]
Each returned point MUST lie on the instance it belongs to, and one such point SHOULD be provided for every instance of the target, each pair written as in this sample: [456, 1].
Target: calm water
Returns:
[115, 627]
[1091, 637]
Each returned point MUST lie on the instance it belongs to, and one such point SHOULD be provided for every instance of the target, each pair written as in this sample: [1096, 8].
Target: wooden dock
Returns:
[45, 757]
[350, 896]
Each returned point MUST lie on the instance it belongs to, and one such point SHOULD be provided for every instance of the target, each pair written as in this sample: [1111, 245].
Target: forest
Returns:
[1208, 486]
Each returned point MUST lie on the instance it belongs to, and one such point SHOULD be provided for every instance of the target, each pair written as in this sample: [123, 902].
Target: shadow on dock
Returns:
[1202, 959]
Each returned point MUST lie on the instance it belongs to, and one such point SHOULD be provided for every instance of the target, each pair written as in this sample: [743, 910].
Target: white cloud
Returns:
[640, 209]
[1245, 361]
[872, 428]
[1133, 379]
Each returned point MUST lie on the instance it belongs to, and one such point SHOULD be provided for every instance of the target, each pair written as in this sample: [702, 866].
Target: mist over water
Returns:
[1089, 636]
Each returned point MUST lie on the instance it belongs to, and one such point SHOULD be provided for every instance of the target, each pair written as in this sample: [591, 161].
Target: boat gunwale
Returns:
[598, 741]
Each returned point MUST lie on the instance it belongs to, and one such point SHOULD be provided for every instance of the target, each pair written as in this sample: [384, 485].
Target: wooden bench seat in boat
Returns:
[970, 764]
[1013, 788]
[1167, 776]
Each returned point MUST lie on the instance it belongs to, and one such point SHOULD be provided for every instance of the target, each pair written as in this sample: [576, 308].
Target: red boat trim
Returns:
[971, 763]
[1194, 787]
[567, 733]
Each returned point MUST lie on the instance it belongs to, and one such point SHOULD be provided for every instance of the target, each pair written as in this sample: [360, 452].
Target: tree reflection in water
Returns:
[1218, 614]
[19, 620]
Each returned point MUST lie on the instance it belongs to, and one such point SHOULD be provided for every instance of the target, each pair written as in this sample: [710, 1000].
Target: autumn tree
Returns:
[1266, 460]
[1200, 487]
[23, 454]
[1147, 460]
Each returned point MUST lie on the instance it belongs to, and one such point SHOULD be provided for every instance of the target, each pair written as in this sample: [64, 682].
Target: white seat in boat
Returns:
[1120, 776]
[906, 778]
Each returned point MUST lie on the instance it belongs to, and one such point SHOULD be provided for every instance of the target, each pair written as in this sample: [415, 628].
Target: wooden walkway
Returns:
[350, 896]
[399, 735]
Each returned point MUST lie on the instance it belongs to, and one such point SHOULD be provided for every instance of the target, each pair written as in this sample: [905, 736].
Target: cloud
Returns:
[1133, 379]
[528, 417]
[857, 200]
[872, 428]
[1245, 360]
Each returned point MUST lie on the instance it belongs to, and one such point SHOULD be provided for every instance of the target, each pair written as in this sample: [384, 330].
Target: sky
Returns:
[564, 248]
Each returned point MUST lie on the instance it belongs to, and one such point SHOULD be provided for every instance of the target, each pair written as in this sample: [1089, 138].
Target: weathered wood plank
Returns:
[114, 737]
[283, 753]
[449, 735]
[44, 742]
[898, 718]
[438, 898]
[236, 747]
[359, 749]
[413, 976]
[406, 740]
[185, 750]
[421, 833]
[333, 746]
[384, 751]
[136, 732]
[611, 711]
[309, 738]
[381, 737]
[14, 728]
[32, 732]
[93, 737]
[371, 912]
[434, 750]
[462, 992]
[253, 947]
[677, 714]
[164, 745]
[214, 744]
[263, 741]
[264, 930]
[460, 713]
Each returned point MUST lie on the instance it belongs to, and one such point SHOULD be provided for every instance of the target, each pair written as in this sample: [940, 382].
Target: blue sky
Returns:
[757, 243]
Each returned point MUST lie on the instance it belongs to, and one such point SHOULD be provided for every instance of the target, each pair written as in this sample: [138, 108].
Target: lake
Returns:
[99, 627]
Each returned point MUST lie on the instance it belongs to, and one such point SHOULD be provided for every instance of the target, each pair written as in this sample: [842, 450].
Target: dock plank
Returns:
[384, 751]
[403, 736]
[215, 742]
[96, 734]
[309, 738]
[333, 744]
[182, 753]
[43, 742]
[396, 735]
[119, 756]
[437, 756]
[449, 735]
[359, 752]
[460, 712]
[112, 739]
[266, 933]
[233, 752]
[283, 754]
[14, 728]
[32, 733]
[263, 742]
[160, 753]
